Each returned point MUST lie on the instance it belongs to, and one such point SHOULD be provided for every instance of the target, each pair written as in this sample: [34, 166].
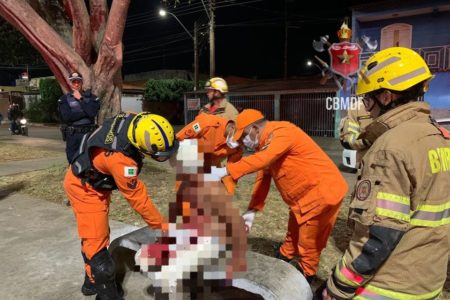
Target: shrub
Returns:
[46, 108]
[167, 90]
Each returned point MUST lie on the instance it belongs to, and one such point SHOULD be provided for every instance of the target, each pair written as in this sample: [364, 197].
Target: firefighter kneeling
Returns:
[108, 159]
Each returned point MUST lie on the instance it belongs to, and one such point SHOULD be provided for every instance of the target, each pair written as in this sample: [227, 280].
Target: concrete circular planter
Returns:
[266, 277]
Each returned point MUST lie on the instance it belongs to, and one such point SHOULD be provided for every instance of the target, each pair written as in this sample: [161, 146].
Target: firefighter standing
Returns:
[399, 209]
[111, 158]
[353, 124]
[218, 105]
[78, 110]
[308, 181]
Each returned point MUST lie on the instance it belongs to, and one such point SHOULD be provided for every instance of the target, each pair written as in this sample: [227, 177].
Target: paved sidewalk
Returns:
[40, 251]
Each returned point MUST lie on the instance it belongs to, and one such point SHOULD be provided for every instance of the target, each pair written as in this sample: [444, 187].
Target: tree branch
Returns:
[81, 34]
[60, 57]
[54, 13]
[99, 15]
[110, 58]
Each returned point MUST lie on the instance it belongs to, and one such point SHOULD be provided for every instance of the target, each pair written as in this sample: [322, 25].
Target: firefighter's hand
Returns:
[249, 217]
[216, 174]
[137, 257]
[326, 296]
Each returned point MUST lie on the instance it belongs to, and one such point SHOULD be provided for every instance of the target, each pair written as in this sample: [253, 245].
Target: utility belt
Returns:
[99, 181]
[70, 130]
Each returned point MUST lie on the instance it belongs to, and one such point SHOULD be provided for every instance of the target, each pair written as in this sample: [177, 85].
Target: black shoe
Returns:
[88, 288]
[309, 279]
[277, 253]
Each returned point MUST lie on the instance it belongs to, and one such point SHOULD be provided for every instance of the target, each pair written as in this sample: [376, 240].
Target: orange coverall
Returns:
[209, 130]
[91, 207]
[308, 181]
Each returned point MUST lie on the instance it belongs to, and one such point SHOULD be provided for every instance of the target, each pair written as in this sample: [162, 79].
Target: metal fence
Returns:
[305, 108]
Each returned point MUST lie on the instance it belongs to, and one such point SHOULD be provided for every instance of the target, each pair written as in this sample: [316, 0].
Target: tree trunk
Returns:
[111, 90]
[96, 44]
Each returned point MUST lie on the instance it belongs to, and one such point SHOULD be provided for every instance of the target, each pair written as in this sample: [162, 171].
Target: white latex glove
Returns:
[248, 217]
[216, 174]
[137, 257]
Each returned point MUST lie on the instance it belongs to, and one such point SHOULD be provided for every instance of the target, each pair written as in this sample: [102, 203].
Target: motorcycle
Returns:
[21, 127]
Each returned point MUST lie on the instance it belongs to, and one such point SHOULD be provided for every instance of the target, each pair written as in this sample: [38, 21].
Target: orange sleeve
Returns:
[201, 129]
[188, 131]
[124, 171]
[260, 190]
[280, 144]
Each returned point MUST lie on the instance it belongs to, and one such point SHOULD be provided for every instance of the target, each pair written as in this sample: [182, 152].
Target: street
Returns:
[45, 132]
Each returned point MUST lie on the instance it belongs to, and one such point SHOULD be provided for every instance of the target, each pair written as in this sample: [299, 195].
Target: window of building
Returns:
[396, 35]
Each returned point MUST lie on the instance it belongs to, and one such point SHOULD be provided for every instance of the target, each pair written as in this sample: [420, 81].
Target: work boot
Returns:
[277, 253]
[308, 278]
[88, 288]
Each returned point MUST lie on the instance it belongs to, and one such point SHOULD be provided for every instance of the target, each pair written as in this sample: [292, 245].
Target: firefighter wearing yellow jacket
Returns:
[400, 208]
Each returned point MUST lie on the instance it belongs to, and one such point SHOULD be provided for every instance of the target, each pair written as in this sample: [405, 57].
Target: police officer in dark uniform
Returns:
[78, 110]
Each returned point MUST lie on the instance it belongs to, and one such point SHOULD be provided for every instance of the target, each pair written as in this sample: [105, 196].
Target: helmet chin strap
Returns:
[393, 104]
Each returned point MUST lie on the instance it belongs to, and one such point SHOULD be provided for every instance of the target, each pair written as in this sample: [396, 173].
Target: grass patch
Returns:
[269, 228]
[14, 152]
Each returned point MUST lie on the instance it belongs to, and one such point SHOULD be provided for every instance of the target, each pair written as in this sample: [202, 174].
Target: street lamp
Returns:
[310, 63]
[163, 13]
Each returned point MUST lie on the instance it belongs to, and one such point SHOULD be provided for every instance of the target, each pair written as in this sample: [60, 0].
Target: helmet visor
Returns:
[162, 156]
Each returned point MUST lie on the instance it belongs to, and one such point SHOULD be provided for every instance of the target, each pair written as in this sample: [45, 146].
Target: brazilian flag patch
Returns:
[196, 127]
[130, 171]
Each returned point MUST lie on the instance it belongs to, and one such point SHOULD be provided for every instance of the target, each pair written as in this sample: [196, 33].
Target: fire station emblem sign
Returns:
[344, 58]
[363, 190]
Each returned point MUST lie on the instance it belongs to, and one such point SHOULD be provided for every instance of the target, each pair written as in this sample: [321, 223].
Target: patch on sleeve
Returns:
[363, 190]
[196, 127]
[130, 171]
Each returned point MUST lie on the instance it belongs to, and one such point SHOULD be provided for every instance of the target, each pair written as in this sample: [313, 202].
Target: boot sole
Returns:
[88, 292]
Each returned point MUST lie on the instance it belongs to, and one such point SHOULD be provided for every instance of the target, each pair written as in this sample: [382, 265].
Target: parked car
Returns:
[349, 156]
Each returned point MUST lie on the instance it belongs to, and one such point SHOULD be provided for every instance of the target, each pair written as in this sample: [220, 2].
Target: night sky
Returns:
[249, 35]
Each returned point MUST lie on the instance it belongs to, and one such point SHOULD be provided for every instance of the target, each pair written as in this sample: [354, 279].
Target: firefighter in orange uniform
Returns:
[214, 135]
[108, 159]
[215, 139]
[308, 181]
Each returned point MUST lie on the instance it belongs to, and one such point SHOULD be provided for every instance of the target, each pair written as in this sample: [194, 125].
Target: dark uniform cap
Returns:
[75, 76]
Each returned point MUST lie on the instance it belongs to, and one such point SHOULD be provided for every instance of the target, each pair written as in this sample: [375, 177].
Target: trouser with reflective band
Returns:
[370, 292]
[308, 239]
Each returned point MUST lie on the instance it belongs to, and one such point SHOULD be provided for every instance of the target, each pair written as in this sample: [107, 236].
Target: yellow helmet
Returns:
[218, 84]
[153, 135]
[395, 69]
